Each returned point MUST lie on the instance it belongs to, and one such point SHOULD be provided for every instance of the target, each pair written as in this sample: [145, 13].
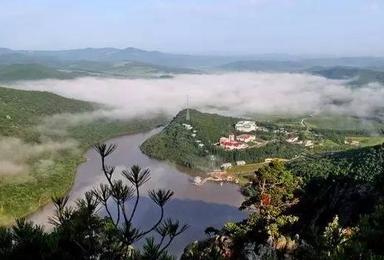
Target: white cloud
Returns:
[232, 93]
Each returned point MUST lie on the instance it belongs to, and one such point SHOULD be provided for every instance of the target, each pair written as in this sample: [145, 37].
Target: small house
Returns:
[225, 166]
[239, 163]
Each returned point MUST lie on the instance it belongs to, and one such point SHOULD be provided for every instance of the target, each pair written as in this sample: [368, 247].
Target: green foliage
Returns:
[176, 144]
[21, 112]
[272, 189]
[15, 72]
[30, 70]
[271, 150]
[270, 194]
[370, 234]
[365, 164]
[321, 220]
[81, 233]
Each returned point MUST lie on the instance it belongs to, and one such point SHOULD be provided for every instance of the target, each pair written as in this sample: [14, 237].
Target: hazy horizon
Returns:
[229, 27]
[282, 56]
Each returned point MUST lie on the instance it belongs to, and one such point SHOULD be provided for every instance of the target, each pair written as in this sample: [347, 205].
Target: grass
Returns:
[368, 140]
[243, 172]
[338, 122]
[244, 169]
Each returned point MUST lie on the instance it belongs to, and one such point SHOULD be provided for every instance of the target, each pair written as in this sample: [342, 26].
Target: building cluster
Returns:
[241, 141]
[281, 130]
[245, 126]
[228, 165]
[352, 142]
[194, 135]
[294, 139]
[187, 126]
[249, 126]
[233, 142]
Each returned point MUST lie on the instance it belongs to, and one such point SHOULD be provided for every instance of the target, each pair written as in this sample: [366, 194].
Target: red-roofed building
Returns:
[233, 145]
[245, 138]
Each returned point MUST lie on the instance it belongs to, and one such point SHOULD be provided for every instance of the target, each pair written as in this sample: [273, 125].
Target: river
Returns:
[198, 206]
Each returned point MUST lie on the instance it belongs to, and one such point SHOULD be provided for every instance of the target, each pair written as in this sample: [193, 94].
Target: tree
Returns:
[272, 190]
[81, 233]
[262, 235]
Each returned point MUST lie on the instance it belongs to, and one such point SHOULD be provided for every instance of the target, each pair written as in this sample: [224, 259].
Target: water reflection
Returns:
[197, 206]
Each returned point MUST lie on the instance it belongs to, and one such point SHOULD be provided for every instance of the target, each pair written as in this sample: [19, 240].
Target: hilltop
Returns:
[204, 142]
[20, 110]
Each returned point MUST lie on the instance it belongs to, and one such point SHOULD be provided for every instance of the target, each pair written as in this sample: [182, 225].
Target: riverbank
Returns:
[219, 203]
[56, 178]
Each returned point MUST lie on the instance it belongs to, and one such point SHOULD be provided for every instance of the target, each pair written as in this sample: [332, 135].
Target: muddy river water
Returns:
[210, 204]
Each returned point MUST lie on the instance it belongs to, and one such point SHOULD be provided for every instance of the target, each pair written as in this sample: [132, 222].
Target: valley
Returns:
[252, 123]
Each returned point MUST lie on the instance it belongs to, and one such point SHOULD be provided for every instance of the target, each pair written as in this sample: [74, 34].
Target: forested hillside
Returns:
[363, 164]
[20, 109]
[16, 72]
[324, 207]
[193, 148]
[42, 139]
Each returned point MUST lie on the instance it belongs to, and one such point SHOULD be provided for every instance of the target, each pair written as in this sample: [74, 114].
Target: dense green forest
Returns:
[316, 206]
[324, 207]
[321, 204]
[363, 164]
[42, 148]
[177, 145]
[71, 70]
[291, 216]
[15, 72]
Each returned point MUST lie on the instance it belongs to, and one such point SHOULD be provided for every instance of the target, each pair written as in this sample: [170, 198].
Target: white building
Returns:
[309, 143]
[245, 126]
[225, 166]
[239, 163]
[292, 139]
[187, 126]
[263, 129]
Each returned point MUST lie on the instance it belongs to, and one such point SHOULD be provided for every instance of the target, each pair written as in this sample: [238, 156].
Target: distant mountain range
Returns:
[133, 62]
[8, 56]
[252, 62]
[304, 64]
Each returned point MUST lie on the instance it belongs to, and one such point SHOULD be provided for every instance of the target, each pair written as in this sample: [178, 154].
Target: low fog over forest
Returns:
[236, 93]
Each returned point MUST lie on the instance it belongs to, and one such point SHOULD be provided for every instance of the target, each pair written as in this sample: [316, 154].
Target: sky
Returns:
[298, 27]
